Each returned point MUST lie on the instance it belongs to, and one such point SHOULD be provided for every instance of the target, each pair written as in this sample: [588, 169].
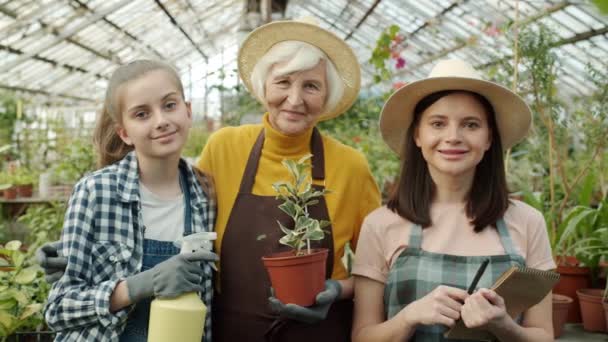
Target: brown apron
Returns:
[241, 309]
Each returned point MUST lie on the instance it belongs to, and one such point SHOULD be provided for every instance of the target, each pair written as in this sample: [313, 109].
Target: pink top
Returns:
[384, 235]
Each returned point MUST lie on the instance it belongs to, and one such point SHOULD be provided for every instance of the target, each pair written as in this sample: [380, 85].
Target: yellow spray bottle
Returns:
[181, 318]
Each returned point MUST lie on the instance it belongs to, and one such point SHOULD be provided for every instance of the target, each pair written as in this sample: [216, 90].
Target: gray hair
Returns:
[299, 56]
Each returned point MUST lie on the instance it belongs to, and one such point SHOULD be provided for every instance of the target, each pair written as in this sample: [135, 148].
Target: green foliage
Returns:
[8, 116]
[588, 228]
[44, 221]
[24, 176]
[297, 195]
[560, 168]
[77, 159]
[23, 290]
[358, 128]
[197, 138]
[385, 46]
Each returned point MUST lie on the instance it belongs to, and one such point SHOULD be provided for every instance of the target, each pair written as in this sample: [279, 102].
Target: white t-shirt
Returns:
[163, 218]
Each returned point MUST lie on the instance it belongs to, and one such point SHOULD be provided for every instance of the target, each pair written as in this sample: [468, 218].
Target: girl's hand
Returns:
[484, 309]
[441, 306]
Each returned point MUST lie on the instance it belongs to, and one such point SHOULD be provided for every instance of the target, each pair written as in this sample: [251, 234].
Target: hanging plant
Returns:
[388, 46]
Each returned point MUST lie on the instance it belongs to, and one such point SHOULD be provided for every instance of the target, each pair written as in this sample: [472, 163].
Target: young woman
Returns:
[122, 220]
[450, 211]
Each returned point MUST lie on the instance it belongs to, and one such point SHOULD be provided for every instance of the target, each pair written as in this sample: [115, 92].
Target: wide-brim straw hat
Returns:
[513, 116]
[260, 40]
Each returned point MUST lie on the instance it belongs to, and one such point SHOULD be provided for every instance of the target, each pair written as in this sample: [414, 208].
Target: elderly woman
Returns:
[302, 74]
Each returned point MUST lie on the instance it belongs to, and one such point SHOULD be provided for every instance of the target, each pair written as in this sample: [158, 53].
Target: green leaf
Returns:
[285, 230]
[288, 208]
[7, 320]
[27, 275]
[393, 29]
[30, 310]
[4, 262]
[7, 304]
[13, 245]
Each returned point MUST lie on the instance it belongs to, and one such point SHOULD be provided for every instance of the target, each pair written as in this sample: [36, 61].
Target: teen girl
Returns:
[122, 219]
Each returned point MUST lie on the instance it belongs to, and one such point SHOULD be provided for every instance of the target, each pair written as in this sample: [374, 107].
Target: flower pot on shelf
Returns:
[572, 278]
[25, 190]
[561, 305]
[297, 279]
[592, 311]
[10, 193]
[605, 305]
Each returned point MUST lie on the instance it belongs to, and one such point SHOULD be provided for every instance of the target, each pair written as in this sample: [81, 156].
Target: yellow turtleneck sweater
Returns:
[354, 192]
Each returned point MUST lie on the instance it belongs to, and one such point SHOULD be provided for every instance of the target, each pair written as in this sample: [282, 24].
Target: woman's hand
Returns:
[484, 309]
[440, 306]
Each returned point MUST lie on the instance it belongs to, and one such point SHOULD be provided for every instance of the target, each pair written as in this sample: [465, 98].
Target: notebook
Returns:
[521, 288]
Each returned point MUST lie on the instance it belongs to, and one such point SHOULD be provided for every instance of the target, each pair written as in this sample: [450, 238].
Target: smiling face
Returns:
[453, 134]
[155, 119]
[295, 101]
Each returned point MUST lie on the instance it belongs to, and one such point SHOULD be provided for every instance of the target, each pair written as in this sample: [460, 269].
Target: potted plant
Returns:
[298, 275]
[590, 250]
[24, 181]
[7, 188]
[23, 291]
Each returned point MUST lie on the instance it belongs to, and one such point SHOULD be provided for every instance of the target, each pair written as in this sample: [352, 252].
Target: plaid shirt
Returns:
[103, 240]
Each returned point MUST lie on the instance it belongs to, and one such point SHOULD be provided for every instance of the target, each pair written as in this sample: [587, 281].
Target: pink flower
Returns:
[398, 39]
[492, 30]
[400, 63]
[395, 54]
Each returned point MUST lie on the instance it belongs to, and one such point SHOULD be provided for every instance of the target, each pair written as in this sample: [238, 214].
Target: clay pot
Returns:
[297, 279]
[605, 305]
[561, 305]
[10, 193]
[591, 309]
[572, 278]
[25, 190]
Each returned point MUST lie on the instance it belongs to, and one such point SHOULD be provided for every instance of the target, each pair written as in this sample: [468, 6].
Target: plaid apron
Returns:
[416, 273]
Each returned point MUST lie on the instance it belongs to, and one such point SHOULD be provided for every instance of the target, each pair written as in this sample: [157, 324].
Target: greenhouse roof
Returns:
[64, 51]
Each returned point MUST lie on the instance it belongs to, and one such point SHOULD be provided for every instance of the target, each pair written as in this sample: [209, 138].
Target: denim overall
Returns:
[155, 252]
[417, 272]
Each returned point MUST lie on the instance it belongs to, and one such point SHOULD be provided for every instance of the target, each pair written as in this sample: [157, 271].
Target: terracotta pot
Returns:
[25, 190]
[605, 305]
[571, 279]
[297, 279]
[10, 193]
[592, 310]
[561, 305]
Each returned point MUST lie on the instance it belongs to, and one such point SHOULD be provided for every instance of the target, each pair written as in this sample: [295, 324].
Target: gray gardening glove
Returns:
[179, 274]
[314, 313]
[53, 264]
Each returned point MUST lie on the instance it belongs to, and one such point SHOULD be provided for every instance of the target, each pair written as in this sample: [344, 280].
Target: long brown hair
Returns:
[110, 148]
[489, 196]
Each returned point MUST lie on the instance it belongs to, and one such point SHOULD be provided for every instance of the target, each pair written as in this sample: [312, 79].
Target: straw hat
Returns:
[513, 116]
[260, 40]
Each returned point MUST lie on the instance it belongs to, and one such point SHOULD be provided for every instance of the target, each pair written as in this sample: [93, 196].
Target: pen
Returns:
[480, 271]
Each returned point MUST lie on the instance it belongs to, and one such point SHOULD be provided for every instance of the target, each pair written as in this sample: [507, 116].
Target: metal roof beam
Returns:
[55, 31]
[176, 24]
[44, 92]
[461, 45]
[62, 36]
[369, 11]
[143, 46]
[50, 61]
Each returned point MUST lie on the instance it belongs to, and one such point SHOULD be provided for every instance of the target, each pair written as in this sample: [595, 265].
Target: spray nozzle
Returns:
[196, 242]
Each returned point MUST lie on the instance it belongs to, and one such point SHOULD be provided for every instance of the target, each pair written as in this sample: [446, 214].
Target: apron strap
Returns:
[318, 160]
[187, 209]
[415, 237]
[505, 237]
